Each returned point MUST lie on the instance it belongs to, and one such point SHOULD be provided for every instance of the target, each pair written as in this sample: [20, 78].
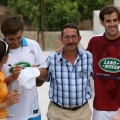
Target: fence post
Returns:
[41, 27]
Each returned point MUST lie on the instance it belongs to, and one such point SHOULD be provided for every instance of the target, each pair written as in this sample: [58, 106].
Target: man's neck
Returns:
[70, 56]
[114, 37]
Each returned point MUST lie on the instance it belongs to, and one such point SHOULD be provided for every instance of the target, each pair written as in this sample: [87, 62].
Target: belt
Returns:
[73, 108]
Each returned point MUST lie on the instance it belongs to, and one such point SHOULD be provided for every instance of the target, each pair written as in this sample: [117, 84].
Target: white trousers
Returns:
[102, 115]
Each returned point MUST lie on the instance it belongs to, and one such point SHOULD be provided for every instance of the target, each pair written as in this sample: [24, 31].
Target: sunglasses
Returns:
[6, 46]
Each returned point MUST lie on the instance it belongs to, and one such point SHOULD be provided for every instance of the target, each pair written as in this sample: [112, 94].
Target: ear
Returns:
[79, 38]
[61, 39]
[101, 22]
[4, 59]
[119, 21]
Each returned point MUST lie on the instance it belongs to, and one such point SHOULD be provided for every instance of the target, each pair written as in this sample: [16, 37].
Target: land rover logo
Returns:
[111, 65]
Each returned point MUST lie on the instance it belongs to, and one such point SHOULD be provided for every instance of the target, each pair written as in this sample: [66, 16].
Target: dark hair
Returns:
[11, 25]
[70, 25]
[108, 10]
[4, 49]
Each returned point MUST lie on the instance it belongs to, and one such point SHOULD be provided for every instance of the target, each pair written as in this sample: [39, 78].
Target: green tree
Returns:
[57, 12]
[29, 9]
[3, 2]
[86, 9]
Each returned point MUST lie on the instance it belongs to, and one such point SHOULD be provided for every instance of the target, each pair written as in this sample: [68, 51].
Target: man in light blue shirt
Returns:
[69, 75]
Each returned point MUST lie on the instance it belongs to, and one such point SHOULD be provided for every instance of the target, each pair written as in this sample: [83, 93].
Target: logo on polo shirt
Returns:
[82, 72]
[32, 52]
[111, 65]
[23, 64]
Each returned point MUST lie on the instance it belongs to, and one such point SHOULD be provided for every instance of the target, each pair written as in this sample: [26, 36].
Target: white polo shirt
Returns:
[29, 54]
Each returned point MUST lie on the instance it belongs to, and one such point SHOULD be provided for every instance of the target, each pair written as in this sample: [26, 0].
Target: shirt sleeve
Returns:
[49, 69]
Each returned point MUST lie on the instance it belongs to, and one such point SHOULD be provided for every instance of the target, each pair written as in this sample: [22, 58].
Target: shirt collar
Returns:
[80, 52]
[24, 42]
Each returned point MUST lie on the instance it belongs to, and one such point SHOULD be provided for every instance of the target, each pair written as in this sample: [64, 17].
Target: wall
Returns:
[117, 3]
[51, 39]
[97, 27]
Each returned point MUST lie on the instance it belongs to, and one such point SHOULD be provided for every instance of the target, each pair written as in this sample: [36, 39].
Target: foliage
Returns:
[3, 2]
[57, 12]
[29, 9]
[86, 9]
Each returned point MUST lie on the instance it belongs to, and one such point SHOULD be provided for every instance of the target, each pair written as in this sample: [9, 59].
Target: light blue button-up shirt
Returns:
[70, 85]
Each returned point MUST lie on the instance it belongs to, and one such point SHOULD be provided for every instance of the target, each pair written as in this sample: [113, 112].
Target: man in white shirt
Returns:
[23, 53]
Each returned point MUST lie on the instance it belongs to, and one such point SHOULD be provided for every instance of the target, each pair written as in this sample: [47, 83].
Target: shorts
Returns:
[102, 115]
[35, 118]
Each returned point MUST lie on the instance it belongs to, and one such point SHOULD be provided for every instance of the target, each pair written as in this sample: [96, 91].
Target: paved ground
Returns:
[44, 98]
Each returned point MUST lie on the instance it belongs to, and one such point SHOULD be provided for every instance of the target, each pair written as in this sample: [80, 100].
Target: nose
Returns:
[70, 40]
[15, 41]
[112, 23]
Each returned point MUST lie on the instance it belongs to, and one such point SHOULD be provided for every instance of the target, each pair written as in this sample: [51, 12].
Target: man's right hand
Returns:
[59, 50]
[15, 73]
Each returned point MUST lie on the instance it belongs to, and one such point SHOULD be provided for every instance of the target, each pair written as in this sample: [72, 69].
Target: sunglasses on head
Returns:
[6, 46]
